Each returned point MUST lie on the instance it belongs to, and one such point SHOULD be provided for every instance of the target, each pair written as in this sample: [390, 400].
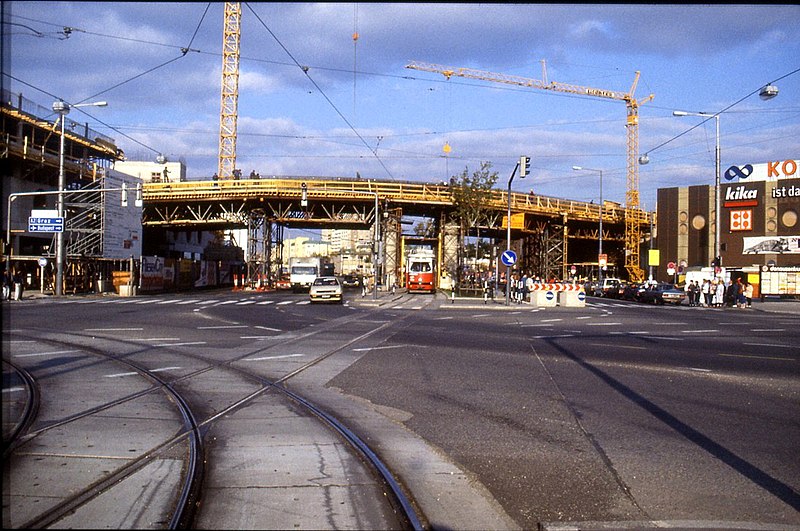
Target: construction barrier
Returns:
[543, 298]
[557, 286]
[572, 298]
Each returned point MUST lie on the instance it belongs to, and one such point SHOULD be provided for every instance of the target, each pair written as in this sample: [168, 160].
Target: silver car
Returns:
[326, 289]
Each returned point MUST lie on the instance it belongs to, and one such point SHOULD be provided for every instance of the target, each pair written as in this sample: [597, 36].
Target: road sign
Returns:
[602, 259]
[42, 262]
[508, 258]
[37, 224]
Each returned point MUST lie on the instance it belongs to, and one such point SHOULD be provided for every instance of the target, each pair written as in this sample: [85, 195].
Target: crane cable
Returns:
[305, 70]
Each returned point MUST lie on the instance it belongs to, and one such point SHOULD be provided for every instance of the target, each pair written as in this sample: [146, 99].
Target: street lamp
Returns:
[62, 108]
[600, 238]
[717, 213]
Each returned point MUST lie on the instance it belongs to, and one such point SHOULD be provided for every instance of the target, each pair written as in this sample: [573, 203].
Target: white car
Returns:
[326, 289]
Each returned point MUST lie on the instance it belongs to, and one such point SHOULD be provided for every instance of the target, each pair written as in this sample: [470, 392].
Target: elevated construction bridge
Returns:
[551, 234]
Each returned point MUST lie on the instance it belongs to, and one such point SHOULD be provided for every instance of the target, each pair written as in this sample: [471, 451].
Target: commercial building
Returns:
[759, 231]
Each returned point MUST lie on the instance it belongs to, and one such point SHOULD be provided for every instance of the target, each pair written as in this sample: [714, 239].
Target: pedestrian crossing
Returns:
[179, 301]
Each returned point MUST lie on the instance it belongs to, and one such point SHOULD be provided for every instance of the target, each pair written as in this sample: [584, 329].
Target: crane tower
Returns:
[230, 90]
[633, 217]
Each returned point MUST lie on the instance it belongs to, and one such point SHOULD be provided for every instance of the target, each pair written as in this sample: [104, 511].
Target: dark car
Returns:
[662, 294]
[350, 281]
[631, 291]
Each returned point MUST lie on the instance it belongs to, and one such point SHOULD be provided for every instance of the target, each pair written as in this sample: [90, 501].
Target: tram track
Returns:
[192, 429]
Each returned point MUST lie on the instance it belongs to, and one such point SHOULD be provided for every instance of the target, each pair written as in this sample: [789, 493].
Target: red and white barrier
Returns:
[558, 286]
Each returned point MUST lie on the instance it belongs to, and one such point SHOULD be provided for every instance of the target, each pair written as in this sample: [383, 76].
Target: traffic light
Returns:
[524, 166]
[304, 196]
[717, 262]
[124, 195]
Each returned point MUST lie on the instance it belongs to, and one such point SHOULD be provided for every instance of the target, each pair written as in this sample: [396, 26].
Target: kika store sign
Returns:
[769, 171]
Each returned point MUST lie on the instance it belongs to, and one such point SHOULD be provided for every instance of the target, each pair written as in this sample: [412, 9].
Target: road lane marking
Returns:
[603, 324]
[367, 349]
[699, 331]
[190, 301]
[768, 330]
[550, 320]
[266, 302]
[180, 344]
[275, 357]
[243, 303]
[755, 357]
[696, 369]
[268, 328]
[768, 345]
[113, 329]
[219, 327]
[51, 353]
[618, 346]
[283, 303]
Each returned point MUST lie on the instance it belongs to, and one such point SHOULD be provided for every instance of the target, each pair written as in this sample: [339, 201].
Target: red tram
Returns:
[421, 271]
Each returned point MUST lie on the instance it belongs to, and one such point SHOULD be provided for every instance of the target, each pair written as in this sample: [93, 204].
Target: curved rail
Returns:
[182, 515]
[29, 410]
[185, 507]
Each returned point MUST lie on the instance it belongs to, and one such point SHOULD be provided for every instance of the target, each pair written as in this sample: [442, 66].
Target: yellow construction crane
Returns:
[229, 107]
[632, 218]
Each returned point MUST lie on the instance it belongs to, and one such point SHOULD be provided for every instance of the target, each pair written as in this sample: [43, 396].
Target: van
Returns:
[609, 284]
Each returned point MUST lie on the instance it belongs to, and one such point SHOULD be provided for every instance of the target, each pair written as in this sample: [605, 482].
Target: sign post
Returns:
[509, 258]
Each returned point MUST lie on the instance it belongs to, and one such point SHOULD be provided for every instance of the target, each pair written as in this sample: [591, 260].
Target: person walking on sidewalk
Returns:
[748, 294]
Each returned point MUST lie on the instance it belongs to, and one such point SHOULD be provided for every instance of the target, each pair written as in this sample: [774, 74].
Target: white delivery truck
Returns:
[302, 272]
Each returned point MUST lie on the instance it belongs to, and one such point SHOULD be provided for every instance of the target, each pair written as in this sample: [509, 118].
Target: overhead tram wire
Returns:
[184, 51]
[305, 70]
[714, 115]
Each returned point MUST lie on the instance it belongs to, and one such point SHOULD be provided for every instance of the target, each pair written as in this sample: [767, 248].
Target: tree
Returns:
[470, 195]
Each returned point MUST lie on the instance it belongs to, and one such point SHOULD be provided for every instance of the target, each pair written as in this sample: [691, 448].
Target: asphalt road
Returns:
[610, 415]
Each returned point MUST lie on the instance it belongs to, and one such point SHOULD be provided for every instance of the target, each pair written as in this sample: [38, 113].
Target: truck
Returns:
[303, 271]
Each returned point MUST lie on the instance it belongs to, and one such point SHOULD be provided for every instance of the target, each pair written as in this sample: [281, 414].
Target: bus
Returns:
[421, 271]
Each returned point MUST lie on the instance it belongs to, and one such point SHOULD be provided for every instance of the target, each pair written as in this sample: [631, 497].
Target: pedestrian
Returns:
[18, 286]
[707, 295]
[695, 293]
[689, 293]
[748, 294]
[740, 299]
[6, 286]
[731, 295]
[719, 293]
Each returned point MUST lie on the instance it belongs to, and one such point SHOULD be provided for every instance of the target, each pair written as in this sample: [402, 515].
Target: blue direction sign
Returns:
[36, 224]
[508, 258]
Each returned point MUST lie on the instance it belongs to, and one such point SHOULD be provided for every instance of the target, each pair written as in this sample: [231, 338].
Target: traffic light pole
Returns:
[524, 166]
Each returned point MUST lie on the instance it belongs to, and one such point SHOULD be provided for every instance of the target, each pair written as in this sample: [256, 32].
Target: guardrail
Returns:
[397, 192]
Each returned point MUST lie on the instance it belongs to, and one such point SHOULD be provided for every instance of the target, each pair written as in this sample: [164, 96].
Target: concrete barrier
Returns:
[542, 298]
[575, 299]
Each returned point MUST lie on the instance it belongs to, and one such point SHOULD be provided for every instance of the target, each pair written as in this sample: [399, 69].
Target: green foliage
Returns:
[471, 193]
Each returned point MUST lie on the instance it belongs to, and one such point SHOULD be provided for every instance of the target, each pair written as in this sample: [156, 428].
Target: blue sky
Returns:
[358, 109]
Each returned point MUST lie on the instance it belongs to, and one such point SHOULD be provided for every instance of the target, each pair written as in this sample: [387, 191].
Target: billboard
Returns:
[772, 245]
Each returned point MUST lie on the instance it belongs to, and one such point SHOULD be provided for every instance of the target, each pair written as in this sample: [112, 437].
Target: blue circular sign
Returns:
[549, 295]
[508, 257]
[581, 296]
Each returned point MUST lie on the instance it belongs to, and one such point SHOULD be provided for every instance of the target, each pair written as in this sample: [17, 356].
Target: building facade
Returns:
[759, 220]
